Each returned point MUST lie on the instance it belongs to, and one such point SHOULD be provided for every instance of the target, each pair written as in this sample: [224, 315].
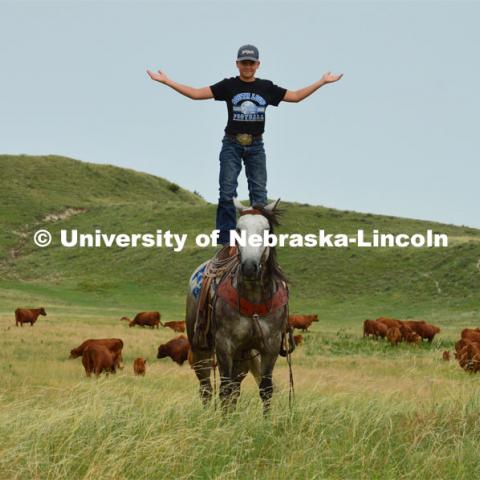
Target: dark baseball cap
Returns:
[248, 52]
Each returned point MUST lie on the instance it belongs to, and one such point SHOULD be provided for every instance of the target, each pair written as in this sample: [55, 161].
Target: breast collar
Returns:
[246, 308]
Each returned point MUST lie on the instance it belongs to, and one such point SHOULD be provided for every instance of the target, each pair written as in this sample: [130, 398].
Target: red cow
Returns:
[374, 328]
[393, 335]
[115, 345]
[149, 319]
[177, 349]
[422, 328]
[139, 366]
[472, 334]
[28, 315]
[298, 339]
[389, 322]
[408, 334]
[97, 359]
[302, 322]
[178, 326]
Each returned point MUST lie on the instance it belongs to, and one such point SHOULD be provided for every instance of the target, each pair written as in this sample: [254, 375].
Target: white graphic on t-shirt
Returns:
[248, 107]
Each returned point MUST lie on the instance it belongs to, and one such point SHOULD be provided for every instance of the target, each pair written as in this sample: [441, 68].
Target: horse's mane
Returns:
[273, 217]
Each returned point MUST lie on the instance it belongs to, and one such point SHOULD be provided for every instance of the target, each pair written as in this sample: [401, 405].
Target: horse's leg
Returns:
[266, 384]
[202, 362]
[224, 353]
[239, 372]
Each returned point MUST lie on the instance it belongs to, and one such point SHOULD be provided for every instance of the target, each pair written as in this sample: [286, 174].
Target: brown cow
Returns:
[374, 328]
[298, 339]
[469, 357]
[139, 365]
[97, 358]
[422, 328]
[393, 335]
[302, 322]
[446, 355]
[177, 349]
[149, 319]
[471, 334]
[178, 326]
[408, 335]
[460, 344]
[115, 345]
[389, 322]
[28, 315]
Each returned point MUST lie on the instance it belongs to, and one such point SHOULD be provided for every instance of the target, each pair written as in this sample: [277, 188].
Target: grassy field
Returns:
[362, 408]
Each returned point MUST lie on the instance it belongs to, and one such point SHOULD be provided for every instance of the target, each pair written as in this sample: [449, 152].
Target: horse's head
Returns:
[254, 221]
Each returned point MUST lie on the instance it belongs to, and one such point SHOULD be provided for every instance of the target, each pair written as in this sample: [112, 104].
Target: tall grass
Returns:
[362, 410]
[121, 428]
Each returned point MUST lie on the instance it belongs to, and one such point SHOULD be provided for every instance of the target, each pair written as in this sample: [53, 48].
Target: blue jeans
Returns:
[231, 157]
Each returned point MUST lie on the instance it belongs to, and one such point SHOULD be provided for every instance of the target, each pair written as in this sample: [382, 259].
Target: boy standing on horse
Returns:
[247, 98]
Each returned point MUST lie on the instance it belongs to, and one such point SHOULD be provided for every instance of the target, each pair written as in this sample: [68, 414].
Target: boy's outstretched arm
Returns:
[299, 95]
[190, 92]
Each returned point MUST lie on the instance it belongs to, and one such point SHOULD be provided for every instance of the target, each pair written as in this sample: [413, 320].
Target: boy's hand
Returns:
[159, 77]
[330, 78]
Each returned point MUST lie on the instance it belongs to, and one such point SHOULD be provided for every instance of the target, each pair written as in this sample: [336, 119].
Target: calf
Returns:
[302, 322]
[393, 335]
[374, 328]
[114, 345]
[298, 339]
[139, 365]
[446, 355]
[144, 319]
[28, 315]
[177, 349]
[97, 359]
[178, 326]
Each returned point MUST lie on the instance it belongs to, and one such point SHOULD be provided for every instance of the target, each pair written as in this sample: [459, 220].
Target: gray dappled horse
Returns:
[250, 315]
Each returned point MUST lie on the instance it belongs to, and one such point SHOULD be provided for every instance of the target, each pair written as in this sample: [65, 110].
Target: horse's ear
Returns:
[238, 205]
[272, 206]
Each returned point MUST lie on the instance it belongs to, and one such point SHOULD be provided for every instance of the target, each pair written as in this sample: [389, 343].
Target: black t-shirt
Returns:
[247, 102]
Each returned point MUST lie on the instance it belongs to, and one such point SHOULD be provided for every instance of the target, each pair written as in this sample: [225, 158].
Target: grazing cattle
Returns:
[28, 315]
[298, 339]
[389, 322]
[139, 365]
[462, 343]
[409, 335]
[144, 319]
[178, 326]
[424, 329]
[471, 334]
[469, 357]
[114, 345]
[374, 328]
[177, 349]
[97, 358]
[302, 322]
[446, 355]
[393, 335]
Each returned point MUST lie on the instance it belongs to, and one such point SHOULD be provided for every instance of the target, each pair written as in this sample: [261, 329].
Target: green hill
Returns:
[56, 193]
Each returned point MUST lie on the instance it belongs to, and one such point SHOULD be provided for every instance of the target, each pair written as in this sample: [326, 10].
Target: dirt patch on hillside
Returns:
[63, 215]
